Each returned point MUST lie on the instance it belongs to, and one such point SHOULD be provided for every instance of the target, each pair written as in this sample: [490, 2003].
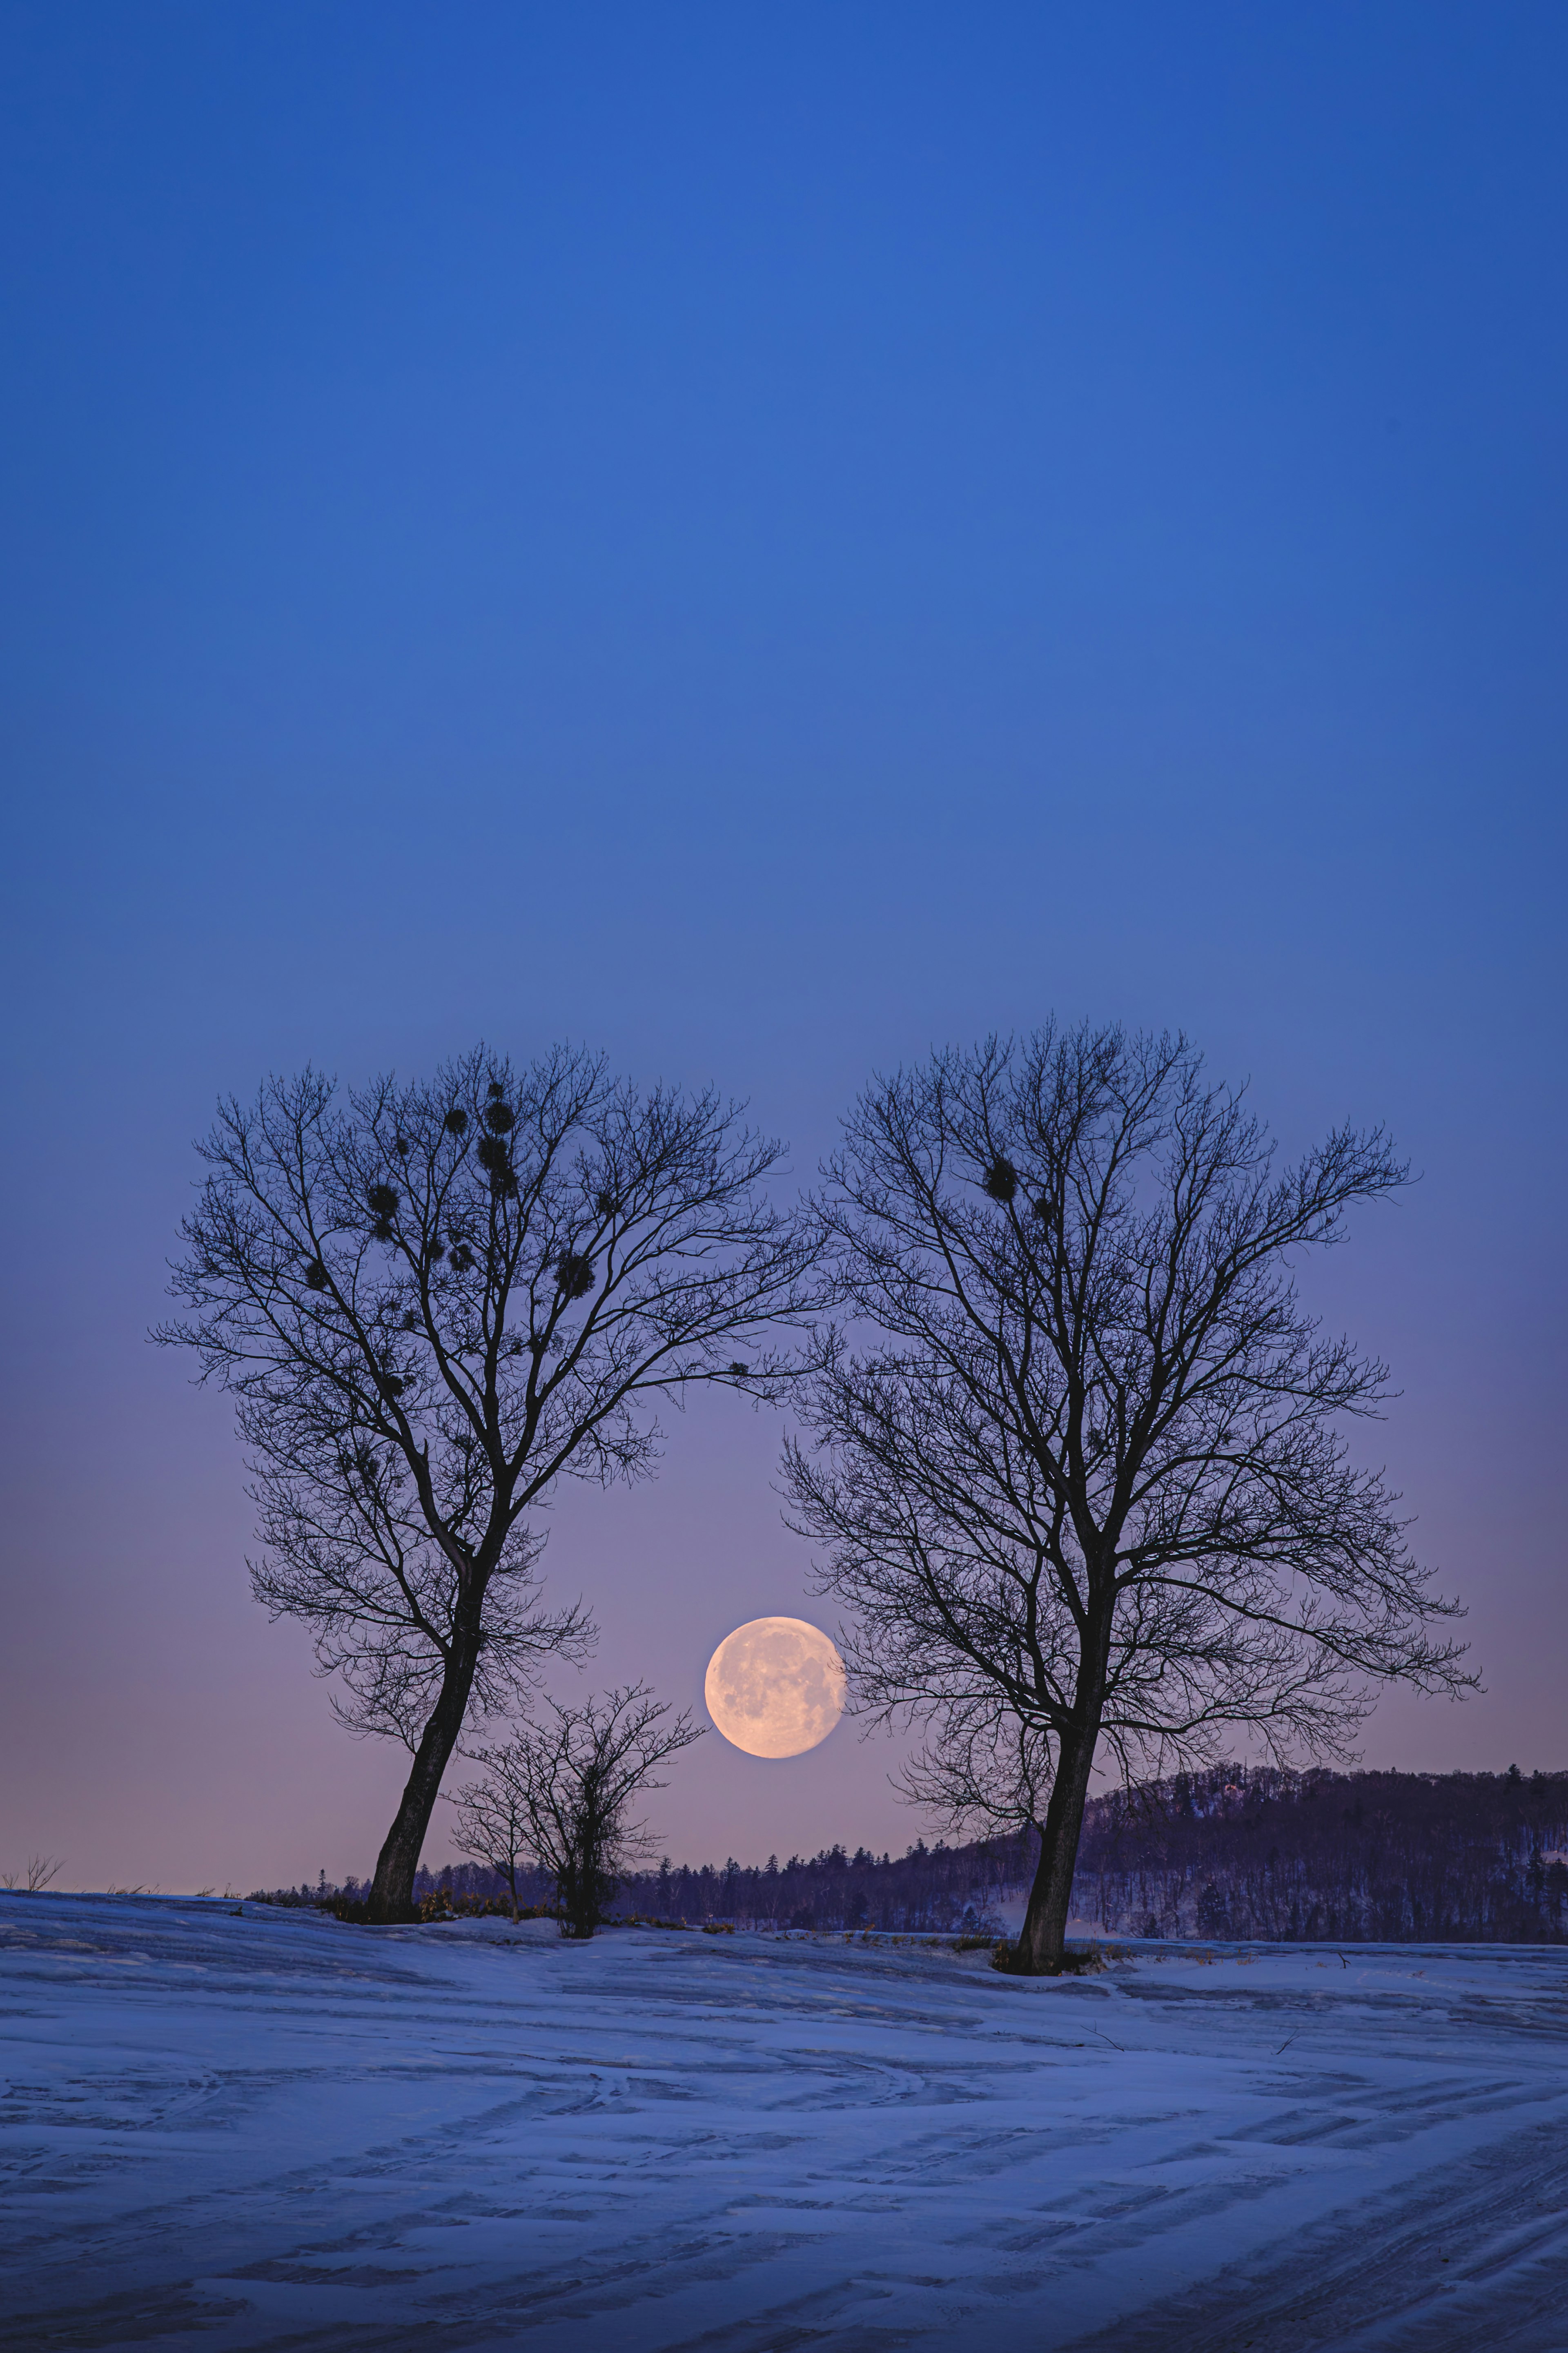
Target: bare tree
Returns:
[432, 1302]
[1087, 1480]
[568, 1786]
[491, 1824]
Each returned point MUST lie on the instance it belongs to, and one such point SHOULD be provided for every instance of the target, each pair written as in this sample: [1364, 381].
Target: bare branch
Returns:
[41, 1871]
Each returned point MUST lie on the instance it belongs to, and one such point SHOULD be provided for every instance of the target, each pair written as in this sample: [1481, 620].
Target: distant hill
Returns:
[1239, 1851]
[1253, 1852]
[1242, 1851]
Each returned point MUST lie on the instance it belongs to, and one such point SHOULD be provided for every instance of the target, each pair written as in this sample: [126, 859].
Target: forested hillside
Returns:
[1250, 1850]
[1240, 1851]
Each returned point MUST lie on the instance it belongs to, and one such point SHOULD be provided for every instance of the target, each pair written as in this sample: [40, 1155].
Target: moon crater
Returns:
[775, 1687]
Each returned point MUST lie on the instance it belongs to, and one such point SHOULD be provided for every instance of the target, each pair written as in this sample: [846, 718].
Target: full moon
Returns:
[775, 1687]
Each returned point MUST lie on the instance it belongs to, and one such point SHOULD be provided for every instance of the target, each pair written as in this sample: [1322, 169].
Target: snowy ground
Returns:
[274, 2131]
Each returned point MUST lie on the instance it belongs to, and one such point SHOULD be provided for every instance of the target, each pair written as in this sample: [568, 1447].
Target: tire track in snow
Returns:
[281, 2133]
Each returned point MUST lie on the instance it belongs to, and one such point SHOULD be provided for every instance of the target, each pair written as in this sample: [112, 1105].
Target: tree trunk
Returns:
[392, 1891]
[1043, 1938]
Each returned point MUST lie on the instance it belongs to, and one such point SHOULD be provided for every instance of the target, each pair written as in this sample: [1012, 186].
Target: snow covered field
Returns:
[273, 2131]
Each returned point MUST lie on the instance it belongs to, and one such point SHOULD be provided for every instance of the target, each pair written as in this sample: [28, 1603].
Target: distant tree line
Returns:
[930, 1889]
[925, 1889]
[1241, 1852]
[1254, 1851]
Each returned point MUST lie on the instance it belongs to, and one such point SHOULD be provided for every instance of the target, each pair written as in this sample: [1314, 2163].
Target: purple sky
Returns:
[759, 545]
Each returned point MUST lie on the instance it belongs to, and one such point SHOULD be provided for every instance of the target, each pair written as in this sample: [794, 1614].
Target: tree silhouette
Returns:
[563, 1791]
[434, 1301]
[1085, 1481]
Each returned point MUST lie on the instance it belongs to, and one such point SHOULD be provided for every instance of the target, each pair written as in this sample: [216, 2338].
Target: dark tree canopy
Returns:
[1078, 1461]
[432, 1302]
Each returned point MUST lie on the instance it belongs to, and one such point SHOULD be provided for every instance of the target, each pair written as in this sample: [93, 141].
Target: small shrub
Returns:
[39, 1873]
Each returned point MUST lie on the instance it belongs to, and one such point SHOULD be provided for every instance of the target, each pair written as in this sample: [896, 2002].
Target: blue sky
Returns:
[762, 541]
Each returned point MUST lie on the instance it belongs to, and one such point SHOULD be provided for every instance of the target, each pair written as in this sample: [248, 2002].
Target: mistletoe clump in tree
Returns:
[433, 1302]
[1085, 1481]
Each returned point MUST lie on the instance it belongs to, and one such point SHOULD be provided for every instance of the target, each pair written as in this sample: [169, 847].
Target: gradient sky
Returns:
[760, 540]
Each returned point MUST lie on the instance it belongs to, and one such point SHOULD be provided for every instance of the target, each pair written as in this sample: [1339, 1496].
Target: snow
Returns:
[272, 2130]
